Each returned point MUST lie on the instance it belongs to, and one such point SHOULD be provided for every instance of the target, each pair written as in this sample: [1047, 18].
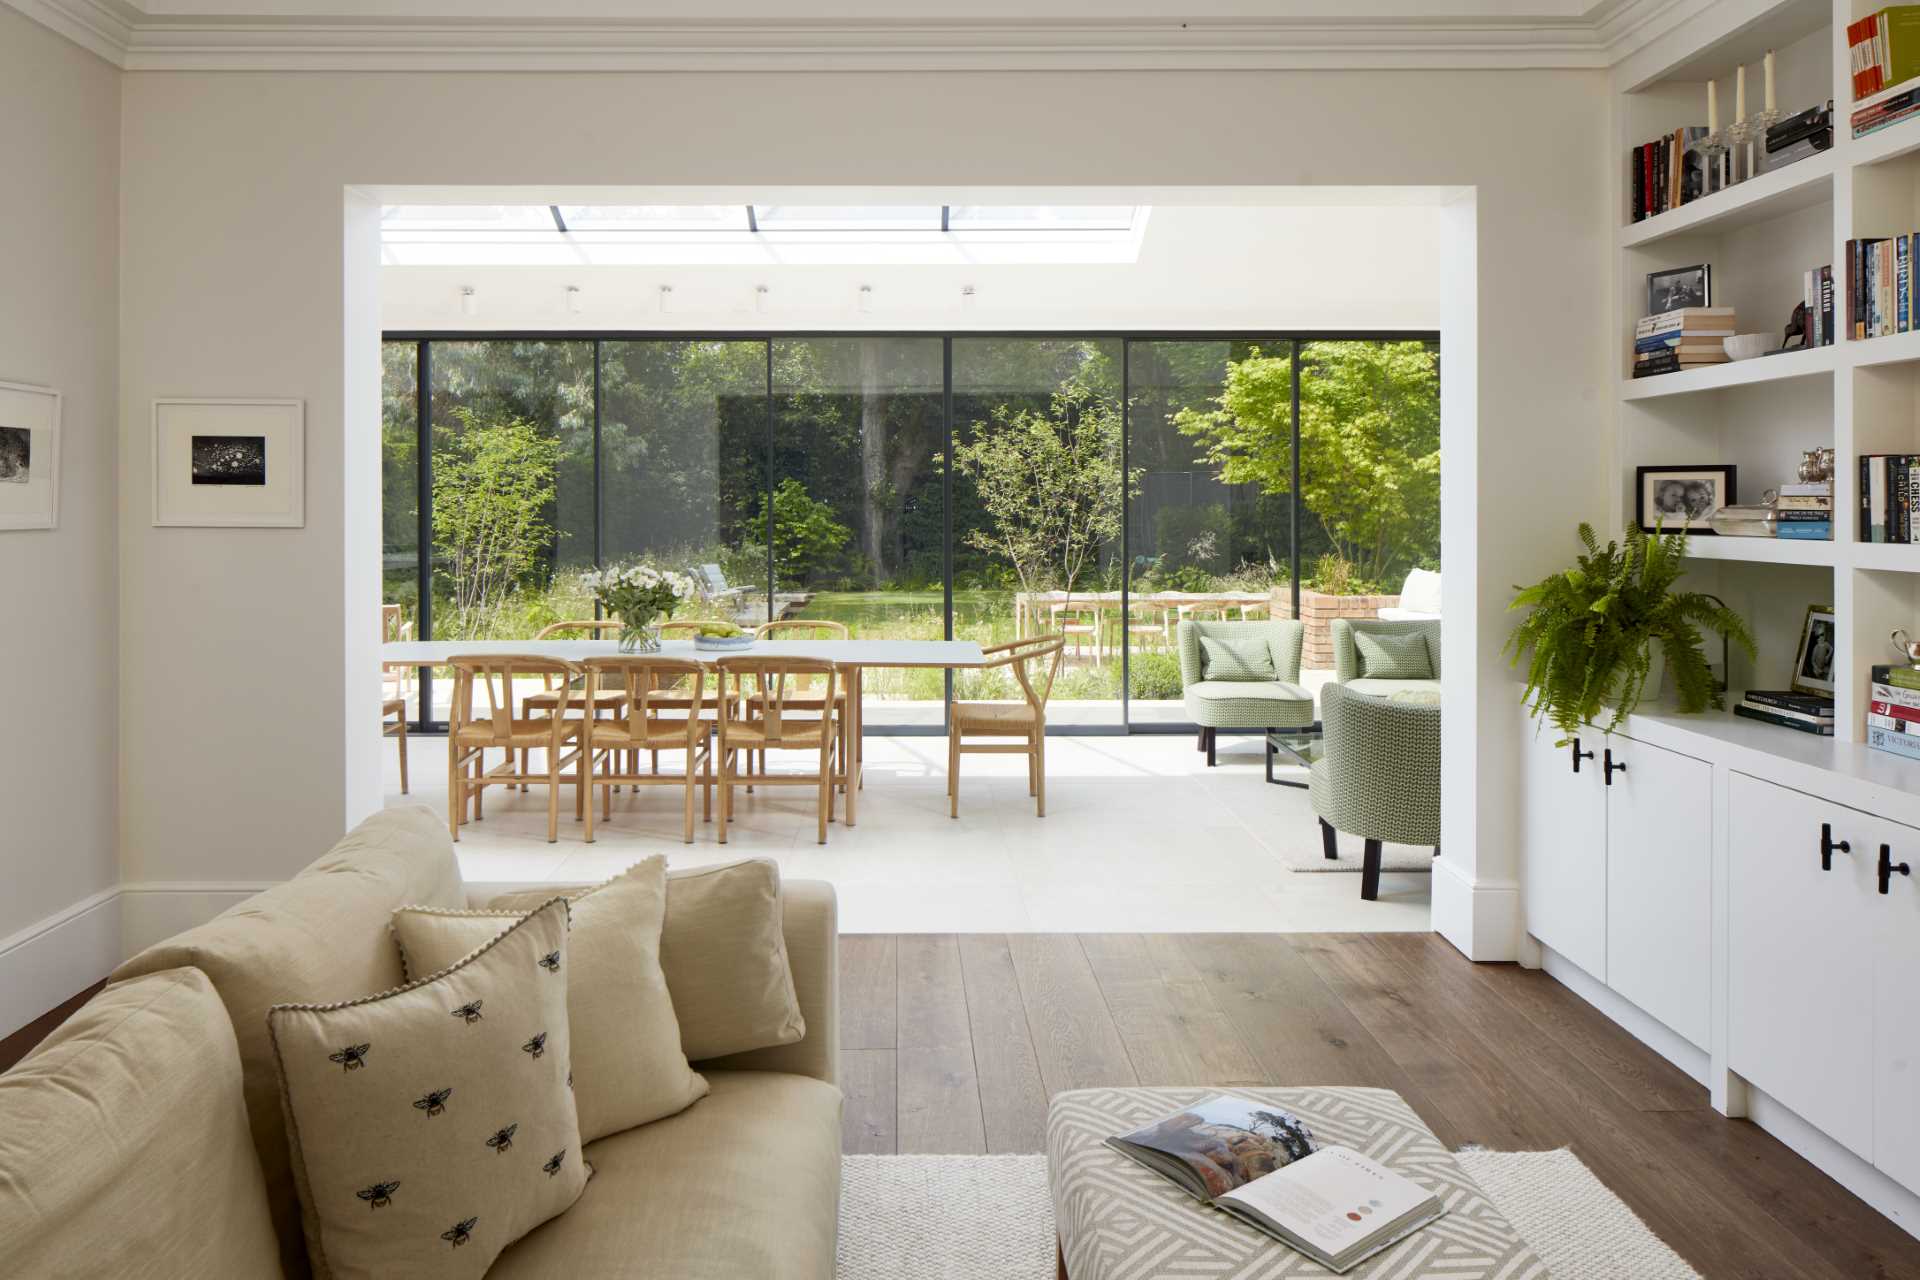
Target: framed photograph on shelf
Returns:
[229, 463]
[1813, 659]
[29, 456]
[1678, 287]
[1682, 499]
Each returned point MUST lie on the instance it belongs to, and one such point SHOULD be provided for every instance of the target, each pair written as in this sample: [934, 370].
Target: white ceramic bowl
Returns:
[1745, 346]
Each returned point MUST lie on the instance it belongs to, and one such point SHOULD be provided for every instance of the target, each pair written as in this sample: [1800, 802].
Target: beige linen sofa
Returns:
[745, 1183]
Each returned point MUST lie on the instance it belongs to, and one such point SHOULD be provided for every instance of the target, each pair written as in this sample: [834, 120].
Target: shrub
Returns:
[1153, 676]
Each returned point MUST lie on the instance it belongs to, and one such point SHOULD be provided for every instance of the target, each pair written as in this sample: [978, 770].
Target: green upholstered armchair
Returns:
[1221, 697]
[1350, 662]
[1378, 775]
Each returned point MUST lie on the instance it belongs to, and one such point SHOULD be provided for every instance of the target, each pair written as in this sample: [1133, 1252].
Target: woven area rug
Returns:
[989, 1218]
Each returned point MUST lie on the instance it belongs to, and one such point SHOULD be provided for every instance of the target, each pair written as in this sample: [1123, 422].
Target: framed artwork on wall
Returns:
[1683, 499]
[29, 456]
[229, 463]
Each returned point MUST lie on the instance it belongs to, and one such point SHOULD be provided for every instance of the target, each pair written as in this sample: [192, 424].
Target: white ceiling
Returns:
[855, 34]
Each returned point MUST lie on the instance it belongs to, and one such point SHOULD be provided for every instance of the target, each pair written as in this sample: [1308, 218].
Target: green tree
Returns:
[1050, 484]
[490, 500]
[806, 537]
[1369, 443]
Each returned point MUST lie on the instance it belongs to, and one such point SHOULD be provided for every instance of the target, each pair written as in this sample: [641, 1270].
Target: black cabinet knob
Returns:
[1828, 846]
[1579, 755]
[1610, 766]
[1889, 868]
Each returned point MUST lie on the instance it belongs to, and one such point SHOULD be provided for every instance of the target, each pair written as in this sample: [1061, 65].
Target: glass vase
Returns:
[639, 636]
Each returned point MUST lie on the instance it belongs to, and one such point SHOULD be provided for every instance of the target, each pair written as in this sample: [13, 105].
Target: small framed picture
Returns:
[1678, 287]
[1683, 499]
[229, 463]
[29, 456]
[1813, 660]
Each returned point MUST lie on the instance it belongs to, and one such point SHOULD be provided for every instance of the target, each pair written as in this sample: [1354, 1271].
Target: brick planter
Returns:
[1318, 610]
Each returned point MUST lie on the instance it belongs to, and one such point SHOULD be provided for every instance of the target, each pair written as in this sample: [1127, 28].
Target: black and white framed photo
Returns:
[1813, 660]
[229, 463]
[1683, 499]
[29, 456]
[1678, 287]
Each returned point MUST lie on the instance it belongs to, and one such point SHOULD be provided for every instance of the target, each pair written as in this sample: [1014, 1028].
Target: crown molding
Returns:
[135, 41]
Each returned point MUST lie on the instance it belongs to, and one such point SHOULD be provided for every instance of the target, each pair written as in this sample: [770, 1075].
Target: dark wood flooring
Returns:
[952, 1044]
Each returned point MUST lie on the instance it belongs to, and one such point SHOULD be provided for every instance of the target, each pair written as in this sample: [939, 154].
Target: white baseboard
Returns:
[1479, 917]
[55, 959]
[1843, 1166]
[1642, 1026]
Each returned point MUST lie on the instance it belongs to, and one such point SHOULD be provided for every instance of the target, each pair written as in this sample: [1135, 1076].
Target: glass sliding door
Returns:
[1037, 510]
[1207, 521]
[400, 509]
[683, 465]
[859, 431]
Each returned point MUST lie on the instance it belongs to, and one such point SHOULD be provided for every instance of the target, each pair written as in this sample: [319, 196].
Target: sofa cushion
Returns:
[745, 1184]
[1222, 659]
[1393, 655]
[1249, 704]
[434, 1125]
[320, 936]
[1420, 594]
[724, 954]
[126, 1140]
[1388, 688]
[626, 1044]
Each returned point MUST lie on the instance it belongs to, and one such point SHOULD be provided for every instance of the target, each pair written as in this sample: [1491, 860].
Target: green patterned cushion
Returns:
[1235, 659]
[1393, 655]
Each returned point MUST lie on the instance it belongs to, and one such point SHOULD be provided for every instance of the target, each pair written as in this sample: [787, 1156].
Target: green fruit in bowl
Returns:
[720, 630]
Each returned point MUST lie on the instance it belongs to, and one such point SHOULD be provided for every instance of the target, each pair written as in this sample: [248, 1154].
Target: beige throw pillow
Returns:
[433, 1125]
[724, 953]
[627, 1061]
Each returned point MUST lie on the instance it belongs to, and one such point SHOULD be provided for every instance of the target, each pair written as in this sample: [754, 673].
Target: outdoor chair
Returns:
[1377, 656]
[754, 716]
[470, 736]
[1025, 720]
[654, 713]
[1378, 774]
[1244, 675]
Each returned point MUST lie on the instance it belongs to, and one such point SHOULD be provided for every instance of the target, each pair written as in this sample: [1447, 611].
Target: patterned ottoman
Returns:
[1118, 1221]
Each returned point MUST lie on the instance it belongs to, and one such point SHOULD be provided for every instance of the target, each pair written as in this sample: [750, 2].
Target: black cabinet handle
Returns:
[1579, 755]
[1889, 868]
[1611, 766]
[1828, 845]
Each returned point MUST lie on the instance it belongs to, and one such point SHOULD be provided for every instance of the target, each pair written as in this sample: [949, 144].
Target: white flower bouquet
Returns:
[637, 594]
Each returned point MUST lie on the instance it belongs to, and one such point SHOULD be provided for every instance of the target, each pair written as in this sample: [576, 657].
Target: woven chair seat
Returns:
[662, 733]
[524, 732]
[1007, 717]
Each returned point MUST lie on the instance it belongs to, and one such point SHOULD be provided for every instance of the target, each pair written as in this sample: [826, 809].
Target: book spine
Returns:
[1796, 515]
[1897, 498]
[1901, 271]
[1865, 492]
[1639, 192]
[1852, 289]
[1892, 700]
[1894, 711]
[1784, 701]
[1785, 722]
[1883, 289]
[1807, 532]
[1826, 305]
[1900, 677]
[1912, 491]
[1891, 725]
[1900, 744]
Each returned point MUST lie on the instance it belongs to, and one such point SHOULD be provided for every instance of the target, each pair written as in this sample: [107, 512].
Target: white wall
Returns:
[237, 761]
[60, 148]
[1202, 266]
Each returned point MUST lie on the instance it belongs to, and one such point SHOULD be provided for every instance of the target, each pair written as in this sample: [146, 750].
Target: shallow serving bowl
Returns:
[1745, 346]
[723, 643]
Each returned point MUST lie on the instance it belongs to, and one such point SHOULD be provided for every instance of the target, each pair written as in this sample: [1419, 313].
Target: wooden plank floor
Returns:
[953, 1045]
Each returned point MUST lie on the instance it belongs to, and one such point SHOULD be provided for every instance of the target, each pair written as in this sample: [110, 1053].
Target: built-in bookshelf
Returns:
[1856, 397]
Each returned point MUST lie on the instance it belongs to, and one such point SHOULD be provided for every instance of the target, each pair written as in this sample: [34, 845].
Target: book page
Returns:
[1222, 1142]
[1334, 1199]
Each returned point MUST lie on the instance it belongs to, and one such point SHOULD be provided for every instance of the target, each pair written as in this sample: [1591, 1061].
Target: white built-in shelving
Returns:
[1856, 397]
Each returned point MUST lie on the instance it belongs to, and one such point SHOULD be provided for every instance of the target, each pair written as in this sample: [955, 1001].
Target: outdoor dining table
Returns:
[852, 657]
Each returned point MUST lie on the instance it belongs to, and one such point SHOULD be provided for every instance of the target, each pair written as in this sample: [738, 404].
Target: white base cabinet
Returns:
[1619, 870]
[1824, 967]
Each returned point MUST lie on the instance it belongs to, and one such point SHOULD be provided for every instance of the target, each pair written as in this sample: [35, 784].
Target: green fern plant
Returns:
[1588, 640]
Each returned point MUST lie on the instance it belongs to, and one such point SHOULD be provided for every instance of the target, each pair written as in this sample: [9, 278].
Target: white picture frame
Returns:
[29, 456]
[233, 463]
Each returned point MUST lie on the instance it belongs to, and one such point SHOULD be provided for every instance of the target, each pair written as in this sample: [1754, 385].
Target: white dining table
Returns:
[852, 656]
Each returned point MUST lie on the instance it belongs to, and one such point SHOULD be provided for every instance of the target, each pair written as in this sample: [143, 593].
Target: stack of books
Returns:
[1893, 711]
[1880, 286]
[1805, 712]
[1669, 172]
[1683, 339]
[1889, 490]
[1804, 511]
[1884, 49]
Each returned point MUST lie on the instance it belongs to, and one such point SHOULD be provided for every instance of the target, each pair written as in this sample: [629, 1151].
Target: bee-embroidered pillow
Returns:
[626, 1039]
[434, 1125]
